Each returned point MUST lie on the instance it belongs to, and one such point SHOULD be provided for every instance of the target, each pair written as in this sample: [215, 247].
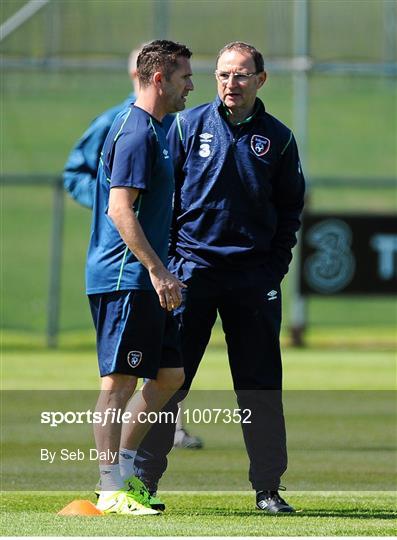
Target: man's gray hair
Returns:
[244, 48]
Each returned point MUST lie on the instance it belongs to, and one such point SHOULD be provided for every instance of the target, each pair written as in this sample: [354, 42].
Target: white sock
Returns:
[110, 477]
[126, 461]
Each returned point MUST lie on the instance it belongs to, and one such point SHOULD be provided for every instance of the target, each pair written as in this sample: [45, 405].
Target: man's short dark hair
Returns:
[159, 55]
[244, 48]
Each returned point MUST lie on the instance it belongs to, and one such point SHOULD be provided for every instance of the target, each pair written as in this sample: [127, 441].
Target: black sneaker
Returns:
[271, 502]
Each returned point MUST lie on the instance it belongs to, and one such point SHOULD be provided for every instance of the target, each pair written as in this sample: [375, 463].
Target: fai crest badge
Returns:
[134, 358]
[260, 145]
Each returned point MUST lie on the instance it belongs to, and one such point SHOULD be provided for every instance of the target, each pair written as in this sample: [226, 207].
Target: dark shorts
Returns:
[135, 335]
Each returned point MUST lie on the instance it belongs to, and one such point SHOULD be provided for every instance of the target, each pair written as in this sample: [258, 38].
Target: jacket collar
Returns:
[259, 110]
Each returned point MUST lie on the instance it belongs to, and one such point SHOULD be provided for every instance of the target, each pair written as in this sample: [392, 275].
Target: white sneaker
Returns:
[183, 439]
[121, 502]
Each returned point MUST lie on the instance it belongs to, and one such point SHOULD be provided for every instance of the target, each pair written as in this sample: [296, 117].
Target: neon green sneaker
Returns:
[139, 493]
[121, 502]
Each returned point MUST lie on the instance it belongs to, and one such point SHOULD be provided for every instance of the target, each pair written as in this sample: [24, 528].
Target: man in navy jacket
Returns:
[239, 196]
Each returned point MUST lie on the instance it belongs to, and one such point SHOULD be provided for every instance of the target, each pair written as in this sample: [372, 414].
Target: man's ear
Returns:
[158, 78]
[262, 79]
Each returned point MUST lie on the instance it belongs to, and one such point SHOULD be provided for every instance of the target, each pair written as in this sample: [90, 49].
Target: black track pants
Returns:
[251, 318]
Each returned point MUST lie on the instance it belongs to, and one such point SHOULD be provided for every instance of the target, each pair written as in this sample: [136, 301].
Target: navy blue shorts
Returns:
[135, 335]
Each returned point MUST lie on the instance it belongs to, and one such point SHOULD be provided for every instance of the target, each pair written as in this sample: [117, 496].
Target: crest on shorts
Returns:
[260, 145]
[134, 358]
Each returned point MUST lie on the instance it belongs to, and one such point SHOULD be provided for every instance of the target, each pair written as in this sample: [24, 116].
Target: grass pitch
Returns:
[331, 513]
[209, 514]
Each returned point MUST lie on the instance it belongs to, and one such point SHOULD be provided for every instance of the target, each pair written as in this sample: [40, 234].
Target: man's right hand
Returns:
[167, 287]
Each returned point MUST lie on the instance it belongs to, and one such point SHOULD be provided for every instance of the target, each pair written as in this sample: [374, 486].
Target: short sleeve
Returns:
[134, 155]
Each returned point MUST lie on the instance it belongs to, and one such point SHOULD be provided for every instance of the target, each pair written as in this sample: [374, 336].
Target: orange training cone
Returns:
[80, 508]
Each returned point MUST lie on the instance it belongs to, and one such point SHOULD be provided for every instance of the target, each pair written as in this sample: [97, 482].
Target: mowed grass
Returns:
[359, 363]
[208, 514]
[223, 462]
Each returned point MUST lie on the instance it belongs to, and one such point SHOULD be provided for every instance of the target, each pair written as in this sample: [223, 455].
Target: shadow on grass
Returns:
[351, 514]
[381, 514]
[58, 502]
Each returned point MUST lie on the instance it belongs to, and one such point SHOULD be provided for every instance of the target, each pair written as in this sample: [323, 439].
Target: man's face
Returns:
[178, 86]
[236, 92]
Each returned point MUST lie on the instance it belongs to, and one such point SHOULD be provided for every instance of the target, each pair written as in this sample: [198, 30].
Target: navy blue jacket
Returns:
[239, 190]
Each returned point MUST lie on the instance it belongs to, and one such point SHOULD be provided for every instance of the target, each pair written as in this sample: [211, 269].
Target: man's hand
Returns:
[167, 286]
